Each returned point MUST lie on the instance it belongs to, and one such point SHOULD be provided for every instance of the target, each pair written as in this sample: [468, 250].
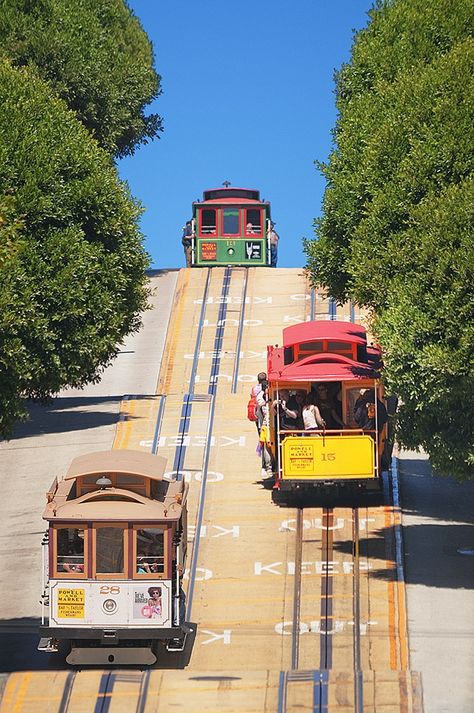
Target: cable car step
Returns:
[49, 646]
[176, 645]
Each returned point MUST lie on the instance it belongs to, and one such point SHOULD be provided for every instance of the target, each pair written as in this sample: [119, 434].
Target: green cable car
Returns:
[230, 226]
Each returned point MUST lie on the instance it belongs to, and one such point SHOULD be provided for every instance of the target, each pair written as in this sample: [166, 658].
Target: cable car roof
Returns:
[317, 367]
[324, 329]
[231, 196]
[118, 461]
[99, 506]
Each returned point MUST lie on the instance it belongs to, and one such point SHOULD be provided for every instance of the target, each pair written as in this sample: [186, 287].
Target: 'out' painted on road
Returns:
[285, 628]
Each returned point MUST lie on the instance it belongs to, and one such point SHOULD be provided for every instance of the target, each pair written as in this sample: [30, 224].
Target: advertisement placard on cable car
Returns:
[328, 457]
[209, 251]
[71, 603]
[117, 603]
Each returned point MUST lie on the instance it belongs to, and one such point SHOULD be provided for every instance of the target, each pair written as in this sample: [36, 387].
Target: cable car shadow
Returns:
[18, 651]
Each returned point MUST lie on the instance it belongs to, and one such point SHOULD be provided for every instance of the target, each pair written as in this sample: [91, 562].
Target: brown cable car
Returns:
[114, 556]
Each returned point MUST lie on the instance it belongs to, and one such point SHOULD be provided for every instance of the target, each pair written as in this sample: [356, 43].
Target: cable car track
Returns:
[191, 397]
[320, 676]
[106, 684]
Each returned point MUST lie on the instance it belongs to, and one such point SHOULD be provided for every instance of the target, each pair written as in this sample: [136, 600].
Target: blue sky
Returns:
[248, 97]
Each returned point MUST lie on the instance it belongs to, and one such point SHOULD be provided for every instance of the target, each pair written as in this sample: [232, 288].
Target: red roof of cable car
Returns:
[231, 194]
[324, 329]
[327, 365]
[318, 367]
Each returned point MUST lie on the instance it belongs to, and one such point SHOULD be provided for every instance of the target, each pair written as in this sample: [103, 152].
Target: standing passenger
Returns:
[311, 416]
[187, 241]
[273, 238]
[255, 391]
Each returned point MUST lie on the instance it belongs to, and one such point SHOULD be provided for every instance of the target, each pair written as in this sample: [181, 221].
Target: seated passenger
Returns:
[312, 418]
[71, 567]
[327, 408]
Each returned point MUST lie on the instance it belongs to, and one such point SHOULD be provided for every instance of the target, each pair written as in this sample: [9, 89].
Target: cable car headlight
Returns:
[109, 606]
[230, 251]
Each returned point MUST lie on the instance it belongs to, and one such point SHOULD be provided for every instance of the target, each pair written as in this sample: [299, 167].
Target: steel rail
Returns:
[158, 424]
[312, 309]
[212, 391]
[67, 690]
[186, 409]
[325, 649]
[297, 591]
[358, 697]
[197, 346]
[107, 683]
[240, 333]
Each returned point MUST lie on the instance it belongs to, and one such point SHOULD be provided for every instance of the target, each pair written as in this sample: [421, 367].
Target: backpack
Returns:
[252, 409]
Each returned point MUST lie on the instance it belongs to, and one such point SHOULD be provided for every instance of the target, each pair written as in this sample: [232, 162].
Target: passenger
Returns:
[143, 566]
[327, 408]
[73, 567]
[187, 241]
[287, 416]
[75, 551]
[255, 391]
[312, 418]
[300, 397]
[264, 436]
[258, 386]
[295, 403]
[249, 229]
[364, 411]
[273, 238]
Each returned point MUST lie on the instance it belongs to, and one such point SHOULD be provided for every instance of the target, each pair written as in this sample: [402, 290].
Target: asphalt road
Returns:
[437, 522]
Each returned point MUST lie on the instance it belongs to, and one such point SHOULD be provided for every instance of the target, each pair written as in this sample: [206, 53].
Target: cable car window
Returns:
[124, 478]
[92, 479]
[231, 221]
[311, 347]
[289, 355]
[308, 348]
[136, 483]
[253, 221]
[109, 549]
[150, 551]
[70, 549]
[340, 347]
[208, 221]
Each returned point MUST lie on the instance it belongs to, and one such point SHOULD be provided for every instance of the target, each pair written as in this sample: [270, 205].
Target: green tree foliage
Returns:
[397, 226]
[72, 263]
[97, 58]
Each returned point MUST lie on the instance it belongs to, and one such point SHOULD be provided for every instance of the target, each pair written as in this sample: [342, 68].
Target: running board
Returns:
[111, 656]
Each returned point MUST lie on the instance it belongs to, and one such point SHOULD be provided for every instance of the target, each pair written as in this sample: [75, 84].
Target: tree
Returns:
[96, 56]
[396, 231]
[72, 267]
